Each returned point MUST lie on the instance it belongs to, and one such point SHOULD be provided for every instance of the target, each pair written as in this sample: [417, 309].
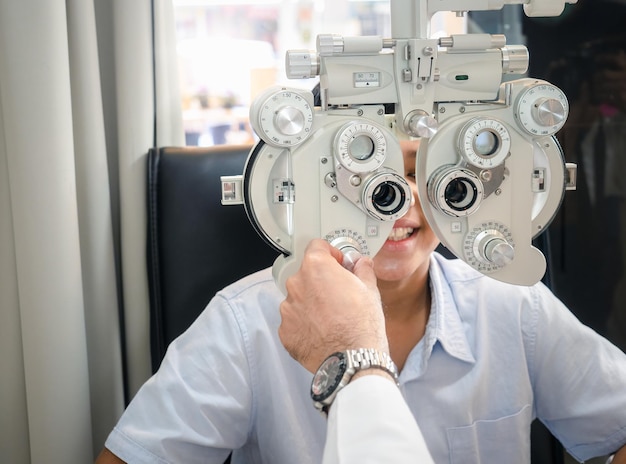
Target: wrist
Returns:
[374, 371]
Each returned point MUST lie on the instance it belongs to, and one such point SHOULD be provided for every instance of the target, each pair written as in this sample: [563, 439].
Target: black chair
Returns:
[196, 246]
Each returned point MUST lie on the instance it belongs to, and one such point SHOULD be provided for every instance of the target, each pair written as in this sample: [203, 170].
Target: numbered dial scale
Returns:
[484, 142]
[542, 109]
[346, 239]
[489, 247]
[282, 117]
[360, 146]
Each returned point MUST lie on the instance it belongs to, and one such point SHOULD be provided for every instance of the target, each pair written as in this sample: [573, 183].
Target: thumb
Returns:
[364, 270]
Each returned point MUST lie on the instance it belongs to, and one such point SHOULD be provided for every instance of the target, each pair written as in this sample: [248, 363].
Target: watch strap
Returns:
[366, 358]
[355, 361]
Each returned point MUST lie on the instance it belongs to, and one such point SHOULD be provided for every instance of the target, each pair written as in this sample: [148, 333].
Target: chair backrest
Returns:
[196, 246]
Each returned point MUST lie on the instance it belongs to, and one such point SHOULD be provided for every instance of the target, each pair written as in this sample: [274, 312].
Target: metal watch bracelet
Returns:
[338, 369]
[366, 358]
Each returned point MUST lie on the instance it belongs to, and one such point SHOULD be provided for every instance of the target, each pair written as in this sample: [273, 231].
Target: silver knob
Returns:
[350, 256]
[499, 252]
[329, 44]
[542, 8]
[541, 108]
[289, 120]
[491, 247]
[548, 112]
[421, 124]
[301, 64]
[515, 59]
[350, 249]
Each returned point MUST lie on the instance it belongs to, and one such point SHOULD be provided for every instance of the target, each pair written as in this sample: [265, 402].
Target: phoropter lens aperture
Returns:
[386, 195]
[460, 194]
[362, 148]
[388, 198]
[486, 143]
[455, 191]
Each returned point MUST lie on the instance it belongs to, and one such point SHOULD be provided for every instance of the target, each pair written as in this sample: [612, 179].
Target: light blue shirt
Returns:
[494, 357]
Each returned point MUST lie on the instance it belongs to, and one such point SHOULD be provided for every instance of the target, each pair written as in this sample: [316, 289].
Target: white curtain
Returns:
[77, 117]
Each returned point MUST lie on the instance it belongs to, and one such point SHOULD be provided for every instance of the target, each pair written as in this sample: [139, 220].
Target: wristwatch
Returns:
[337, 370]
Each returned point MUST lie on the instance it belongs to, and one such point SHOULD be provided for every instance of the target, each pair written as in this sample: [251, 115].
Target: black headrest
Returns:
[196, 246]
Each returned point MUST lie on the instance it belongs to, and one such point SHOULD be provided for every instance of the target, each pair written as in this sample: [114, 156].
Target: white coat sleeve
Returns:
[369, 422]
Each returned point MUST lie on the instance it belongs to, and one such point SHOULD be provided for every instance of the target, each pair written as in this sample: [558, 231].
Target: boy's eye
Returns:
[410, 175]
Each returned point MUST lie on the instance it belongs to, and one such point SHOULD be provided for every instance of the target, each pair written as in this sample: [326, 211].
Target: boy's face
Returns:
[411, 242]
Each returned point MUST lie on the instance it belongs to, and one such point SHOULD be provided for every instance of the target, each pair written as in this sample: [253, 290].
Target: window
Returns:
[231, 50]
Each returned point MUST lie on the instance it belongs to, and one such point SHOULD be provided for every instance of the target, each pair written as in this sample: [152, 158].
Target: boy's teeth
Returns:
[400, 233]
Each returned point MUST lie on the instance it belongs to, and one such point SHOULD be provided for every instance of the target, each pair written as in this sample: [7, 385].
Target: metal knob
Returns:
[548, 112]
[542, 8]
[515, 59]
[350, 256]
[491, 247]
[301, 64]
[289, 120]
[499, 252]
[421, 124]
[330, 44]
[350, 249]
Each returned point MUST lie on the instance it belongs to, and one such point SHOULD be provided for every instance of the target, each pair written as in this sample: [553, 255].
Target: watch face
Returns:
[328, 376]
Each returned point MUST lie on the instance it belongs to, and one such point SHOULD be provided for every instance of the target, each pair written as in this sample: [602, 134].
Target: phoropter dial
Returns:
[489, 247]
[542, 109]
[351, 244]
[360, 146]
[282, 117]
[484, 142]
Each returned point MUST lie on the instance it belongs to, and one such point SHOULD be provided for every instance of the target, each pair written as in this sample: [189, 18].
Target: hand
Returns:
[620, 456]
[329, 308]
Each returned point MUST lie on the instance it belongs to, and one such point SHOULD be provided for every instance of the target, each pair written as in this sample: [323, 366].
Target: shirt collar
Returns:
[444, 326]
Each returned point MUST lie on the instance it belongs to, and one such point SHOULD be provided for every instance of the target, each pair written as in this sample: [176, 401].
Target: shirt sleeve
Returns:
[369, 423]
[197, 407]
[579, 380]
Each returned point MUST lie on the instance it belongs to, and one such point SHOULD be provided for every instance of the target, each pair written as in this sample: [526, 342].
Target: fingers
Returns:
[364, 270]
[322, 247]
